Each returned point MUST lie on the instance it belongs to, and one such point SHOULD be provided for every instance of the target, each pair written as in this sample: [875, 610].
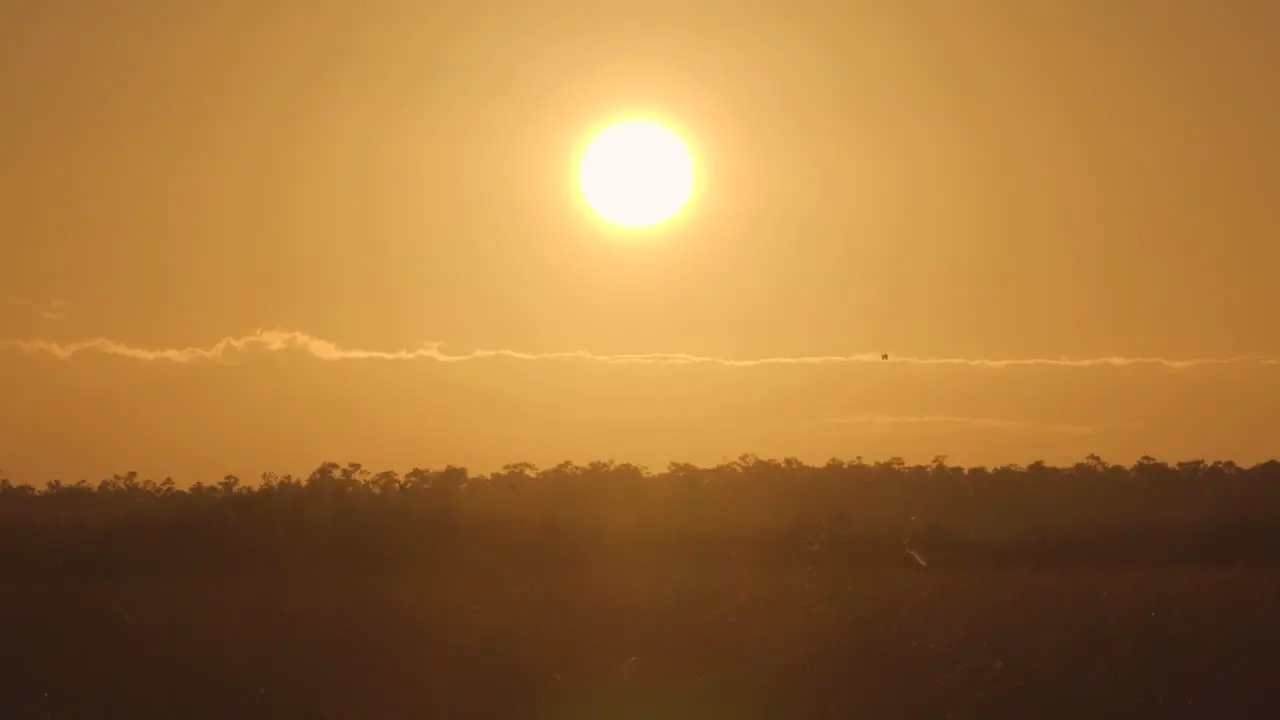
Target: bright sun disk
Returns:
[636, 174]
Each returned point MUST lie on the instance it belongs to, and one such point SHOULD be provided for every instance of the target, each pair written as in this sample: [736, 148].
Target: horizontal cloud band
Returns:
[282, 340]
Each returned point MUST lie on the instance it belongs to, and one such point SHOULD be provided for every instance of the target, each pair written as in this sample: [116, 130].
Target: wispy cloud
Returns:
[960, 421]
[287, 340]
[924, 420]
[54, 309]
[57, 309]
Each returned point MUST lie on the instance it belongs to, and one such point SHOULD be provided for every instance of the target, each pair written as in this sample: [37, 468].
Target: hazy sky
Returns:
[977, 181]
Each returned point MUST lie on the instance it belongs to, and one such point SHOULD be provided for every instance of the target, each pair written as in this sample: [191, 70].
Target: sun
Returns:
[636, 174]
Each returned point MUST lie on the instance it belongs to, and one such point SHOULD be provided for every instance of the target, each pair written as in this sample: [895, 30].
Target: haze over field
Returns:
[1057, 219]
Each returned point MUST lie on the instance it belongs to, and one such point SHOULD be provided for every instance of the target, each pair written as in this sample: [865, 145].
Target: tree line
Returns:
[354, 477]
[347, 511]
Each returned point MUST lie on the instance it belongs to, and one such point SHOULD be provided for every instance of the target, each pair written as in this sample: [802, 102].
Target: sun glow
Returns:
[636, 174]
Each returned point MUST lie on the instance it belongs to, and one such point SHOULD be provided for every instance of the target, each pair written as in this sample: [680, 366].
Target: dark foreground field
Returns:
[753, 590]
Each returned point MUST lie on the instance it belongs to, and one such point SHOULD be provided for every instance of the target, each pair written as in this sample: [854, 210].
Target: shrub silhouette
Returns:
[753, 588]
[1092, 510]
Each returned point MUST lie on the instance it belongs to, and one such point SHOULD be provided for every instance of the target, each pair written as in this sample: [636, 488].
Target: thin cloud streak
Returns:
[988, 423]
[53, 310]
[286, 340]
[925, 420]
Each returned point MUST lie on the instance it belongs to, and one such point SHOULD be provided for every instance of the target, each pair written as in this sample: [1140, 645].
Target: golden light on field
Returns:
[636, 174]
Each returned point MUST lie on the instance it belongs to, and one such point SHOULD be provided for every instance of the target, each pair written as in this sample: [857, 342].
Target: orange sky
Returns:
[966, 181]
